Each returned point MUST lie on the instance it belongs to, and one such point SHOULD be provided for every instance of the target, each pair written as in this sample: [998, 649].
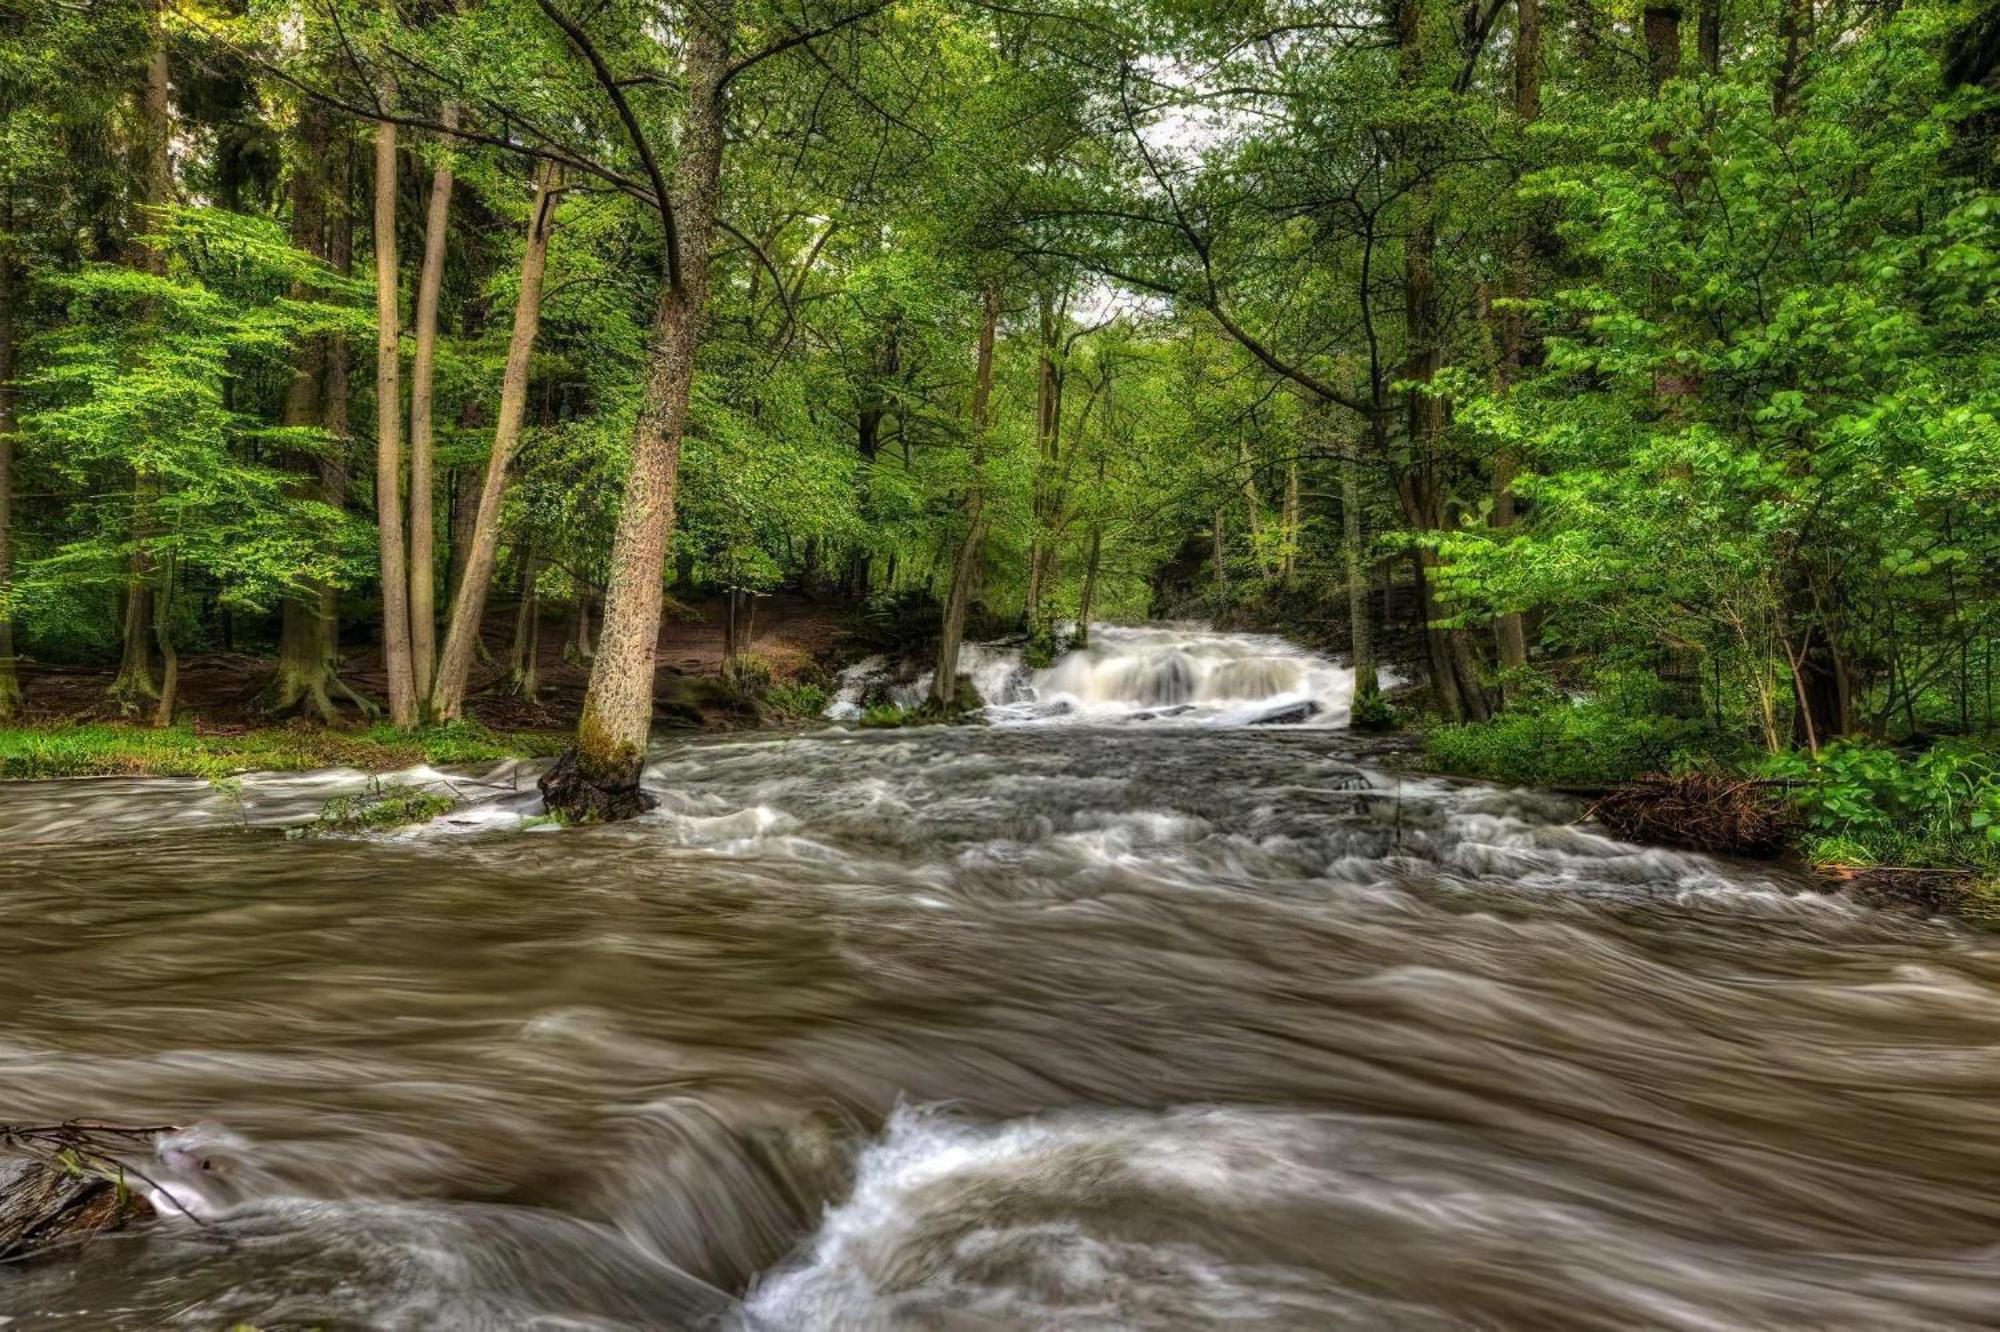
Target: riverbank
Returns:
[112, 749]
[1914, 825]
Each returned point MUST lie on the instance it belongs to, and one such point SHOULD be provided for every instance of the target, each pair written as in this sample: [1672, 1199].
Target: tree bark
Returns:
[170, 659]
[1453, 670]
[1048, 430]
[1662, 24]
[305, 659]
[154, 175]
[423, 370]
[396, 663]
[1708, 36]
[1361, 635]
[1794, 20]
[965, 569]
[1288, 556]
[1510, 635]
[602, 780]
[10, 684]
[522, 673]
[468, 605]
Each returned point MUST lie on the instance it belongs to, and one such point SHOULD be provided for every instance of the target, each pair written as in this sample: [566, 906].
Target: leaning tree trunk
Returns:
[468, 606]
[388, 444]
[599, 778]
[154, 171]
[423, 370]
[965, 569]
[10, 684]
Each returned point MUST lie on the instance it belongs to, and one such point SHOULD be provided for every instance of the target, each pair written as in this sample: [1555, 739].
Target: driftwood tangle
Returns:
[60, 1183]
[1701, 811]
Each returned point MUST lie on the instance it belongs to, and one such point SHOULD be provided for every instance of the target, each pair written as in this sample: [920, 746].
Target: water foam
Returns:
[1146, 673]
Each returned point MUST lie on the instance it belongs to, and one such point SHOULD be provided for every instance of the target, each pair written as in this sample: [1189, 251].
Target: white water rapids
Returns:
[1145, 673]
[1095, 1021]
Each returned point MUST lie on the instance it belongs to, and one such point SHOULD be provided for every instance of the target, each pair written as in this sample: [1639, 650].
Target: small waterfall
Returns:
[1142, 673]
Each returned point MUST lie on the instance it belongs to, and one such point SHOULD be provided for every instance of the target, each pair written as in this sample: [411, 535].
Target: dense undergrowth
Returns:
[113, 749]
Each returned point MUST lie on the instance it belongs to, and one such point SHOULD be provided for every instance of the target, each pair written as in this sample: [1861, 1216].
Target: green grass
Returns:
[104, 749]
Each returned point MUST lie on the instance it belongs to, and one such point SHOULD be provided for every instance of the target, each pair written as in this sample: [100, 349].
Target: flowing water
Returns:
[1075, 1023]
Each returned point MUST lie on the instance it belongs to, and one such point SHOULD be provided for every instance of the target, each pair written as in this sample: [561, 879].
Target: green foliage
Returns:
[378, 807]
[1597, 740]
[882, 716]
[800, 700]
[1372, 713]
[1871, 805]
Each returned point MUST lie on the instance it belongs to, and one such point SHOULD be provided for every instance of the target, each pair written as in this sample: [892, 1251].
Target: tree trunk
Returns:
[1361, 635]
[1048, 426]
[965, 569]
[388, 444]
[333, 467]
[1253, 522]
[305, 659]
[170, 659]
[423, 369]
[602, 779]
[1662, 24]
[527, 620]
[1219, 532]
[1708, 35]
[1093, 549]
[1457, 687]
[1288, 557]
[468, 605]
[153, 169]
[10, 684]
[1510, 635]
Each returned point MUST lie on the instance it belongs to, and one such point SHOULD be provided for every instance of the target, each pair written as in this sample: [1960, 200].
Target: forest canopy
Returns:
[1635, 350]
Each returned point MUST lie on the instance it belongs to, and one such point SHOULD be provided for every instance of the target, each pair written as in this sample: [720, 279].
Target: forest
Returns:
[859, 665]
[1619, 379]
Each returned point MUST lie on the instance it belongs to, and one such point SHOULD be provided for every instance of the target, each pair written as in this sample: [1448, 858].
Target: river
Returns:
[1092, 1018]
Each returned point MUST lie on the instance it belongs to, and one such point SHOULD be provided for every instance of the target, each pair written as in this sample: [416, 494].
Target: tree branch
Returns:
[581, 40]
[797, 38]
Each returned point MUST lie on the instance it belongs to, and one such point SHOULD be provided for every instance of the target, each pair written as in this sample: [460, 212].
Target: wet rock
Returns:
[1290, 715]
[46, 1206]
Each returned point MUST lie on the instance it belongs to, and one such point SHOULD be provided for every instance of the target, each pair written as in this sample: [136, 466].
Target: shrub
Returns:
[1588, 742]
[1868, 804]
[882, 715]
[801, 699]
[1372, 713]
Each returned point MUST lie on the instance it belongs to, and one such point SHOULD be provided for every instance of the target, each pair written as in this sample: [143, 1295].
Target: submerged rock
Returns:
[44, 1206]
[1290, 715]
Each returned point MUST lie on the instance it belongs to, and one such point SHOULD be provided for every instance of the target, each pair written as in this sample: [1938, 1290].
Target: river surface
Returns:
[1105, 1024]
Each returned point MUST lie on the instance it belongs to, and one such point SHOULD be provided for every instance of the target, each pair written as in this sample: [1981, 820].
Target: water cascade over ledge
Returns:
[1145, 673]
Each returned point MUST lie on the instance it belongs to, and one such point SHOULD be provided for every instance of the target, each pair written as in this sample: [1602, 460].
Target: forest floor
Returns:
[71, 727]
